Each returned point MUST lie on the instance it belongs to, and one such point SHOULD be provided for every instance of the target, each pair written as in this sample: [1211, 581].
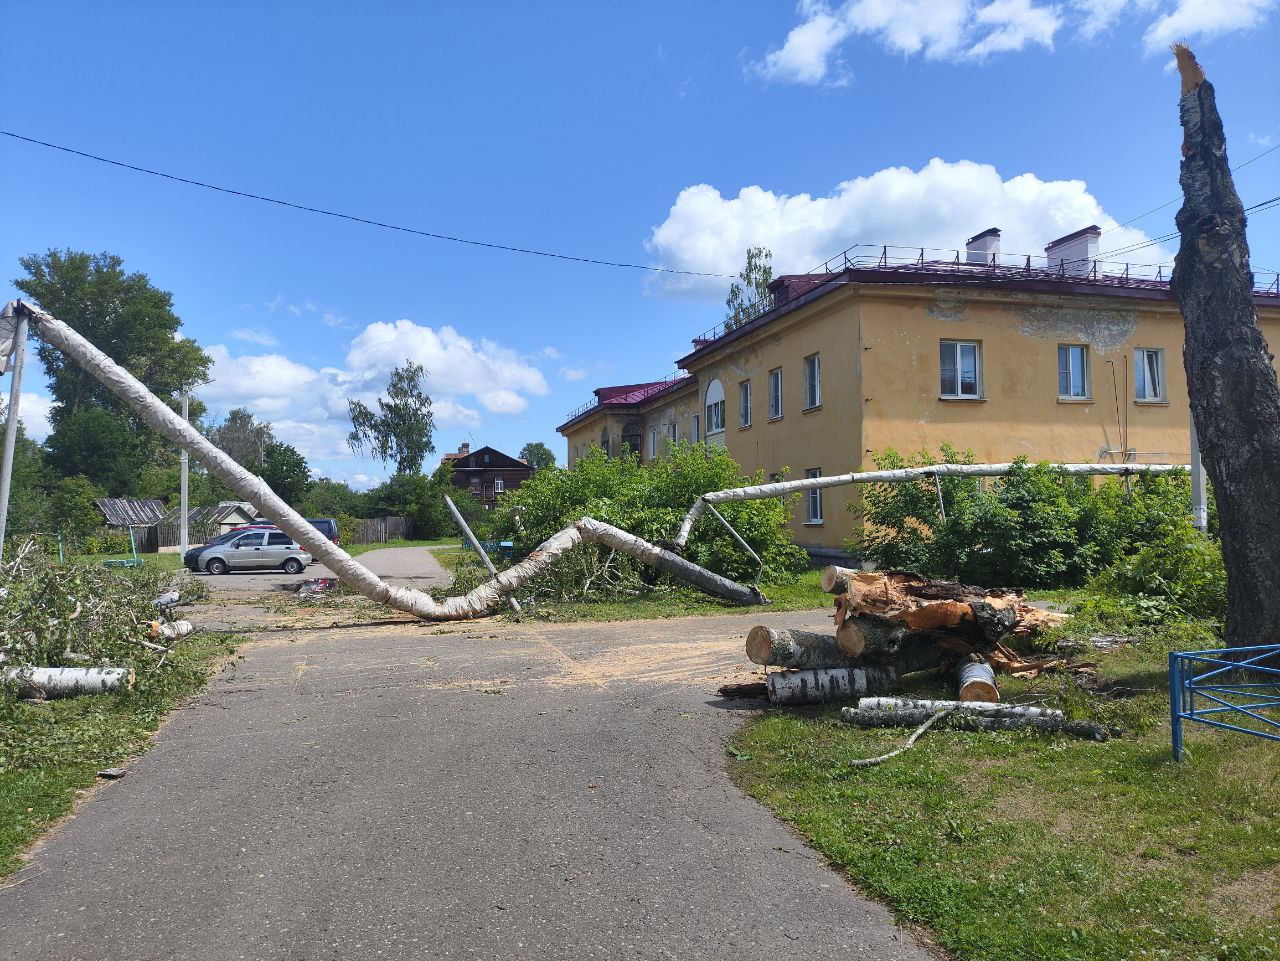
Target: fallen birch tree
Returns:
[52, 682]
[157, 415]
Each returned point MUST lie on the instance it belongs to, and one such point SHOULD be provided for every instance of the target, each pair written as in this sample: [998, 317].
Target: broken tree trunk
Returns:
[157, 415]
[978, 682]
[51, 682]
[1231, 384]
[795, 649]
[834, 684]
[979, 707]
[977, 721]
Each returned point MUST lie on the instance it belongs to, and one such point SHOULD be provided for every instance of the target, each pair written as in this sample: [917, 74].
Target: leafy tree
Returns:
[402, 429]
[72, 511]
[285, 470]
[751, 286]
[133, 322]
[421, 499]
[331, 498]
[245, 438]
[537, 455]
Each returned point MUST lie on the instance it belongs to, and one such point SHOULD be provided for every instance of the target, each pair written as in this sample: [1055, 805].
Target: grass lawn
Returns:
[1012, 847]
[49, 752]
[170, 561]
[357, 549]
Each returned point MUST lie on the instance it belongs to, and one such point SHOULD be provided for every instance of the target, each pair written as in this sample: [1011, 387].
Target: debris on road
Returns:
[50, 682]
[111, 773]
[747, 690]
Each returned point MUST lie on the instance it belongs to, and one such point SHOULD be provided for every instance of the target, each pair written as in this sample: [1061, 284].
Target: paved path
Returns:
[474, 791]
[404, 566]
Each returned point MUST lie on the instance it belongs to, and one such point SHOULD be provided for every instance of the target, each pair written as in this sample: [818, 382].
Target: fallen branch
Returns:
[978, 721]
[776, 647]
[915, 736]
[976, 707]
[51, 682]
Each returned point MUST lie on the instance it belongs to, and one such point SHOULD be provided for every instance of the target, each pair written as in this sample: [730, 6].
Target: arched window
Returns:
[715, 408]
[604, 439]
[631, 436]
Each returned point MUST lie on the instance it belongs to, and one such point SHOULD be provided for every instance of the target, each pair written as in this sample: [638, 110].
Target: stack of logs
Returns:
[888, 624]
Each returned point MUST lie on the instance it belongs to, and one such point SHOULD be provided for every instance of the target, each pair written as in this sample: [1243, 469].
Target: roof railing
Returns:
[634, 397]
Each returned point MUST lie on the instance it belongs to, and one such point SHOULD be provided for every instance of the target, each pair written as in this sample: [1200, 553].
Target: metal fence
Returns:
[1236, 689]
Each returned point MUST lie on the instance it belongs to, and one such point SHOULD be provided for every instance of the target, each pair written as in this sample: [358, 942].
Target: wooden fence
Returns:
[379, 530]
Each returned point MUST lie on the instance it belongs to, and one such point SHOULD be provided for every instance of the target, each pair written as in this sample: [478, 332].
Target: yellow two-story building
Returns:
[1067, 359]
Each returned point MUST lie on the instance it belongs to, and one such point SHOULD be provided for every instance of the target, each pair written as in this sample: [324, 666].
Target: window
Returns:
[475, 486]
[961, 369]
[486, 458]
[488, 491]
[693, 433]
[499, 485]
[813, 499]
[812, 381]
[1073, 372]
[250, 540]
[715, 408]
[279, 540]
[653, 442]
[1148, 374]
[671, 432]
[775, 393]
[744, 404]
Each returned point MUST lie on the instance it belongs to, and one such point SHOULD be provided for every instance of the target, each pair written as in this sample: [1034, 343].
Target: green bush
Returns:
[1035, 527]
[106, 541]
[1180, 568]
[348, 525]
[650, 501]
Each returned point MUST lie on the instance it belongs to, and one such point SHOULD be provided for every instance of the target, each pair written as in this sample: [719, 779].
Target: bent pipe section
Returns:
[351, 572]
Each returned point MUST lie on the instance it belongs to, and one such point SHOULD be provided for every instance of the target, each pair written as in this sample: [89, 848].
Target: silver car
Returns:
[252, 550]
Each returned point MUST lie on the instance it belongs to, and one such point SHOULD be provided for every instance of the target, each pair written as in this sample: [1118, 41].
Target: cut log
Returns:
[171, 630]
[834, 684]
[50, 682]
[978, 682]
[978, 707]
[796, 649]
[977, 721]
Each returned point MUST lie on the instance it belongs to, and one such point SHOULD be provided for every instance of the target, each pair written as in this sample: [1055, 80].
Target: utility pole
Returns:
[1199, 499]
[183, 460]
[11, 425]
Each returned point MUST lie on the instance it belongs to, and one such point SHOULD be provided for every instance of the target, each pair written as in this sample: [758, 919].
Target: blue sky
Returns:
[671, 134]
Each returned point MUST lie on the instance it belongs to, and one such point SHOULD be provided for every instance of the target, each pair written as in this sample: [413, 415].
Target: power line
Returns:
[1168, 203]
[363, 220]
[1259, 207]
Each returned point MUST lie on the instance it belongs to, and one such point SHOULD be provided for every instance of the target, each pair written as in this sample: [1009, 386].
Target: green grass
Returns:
[169, 561]
[356, 549]
[50, 752]
[1012, 846]
[802, 594]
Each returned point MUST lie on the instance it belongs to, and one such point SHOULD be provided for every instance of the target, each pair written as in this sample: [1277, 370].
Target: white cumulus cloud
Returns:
[255, 335]
[938, 206]
[33, 413]
[959, 30]
[308, 406]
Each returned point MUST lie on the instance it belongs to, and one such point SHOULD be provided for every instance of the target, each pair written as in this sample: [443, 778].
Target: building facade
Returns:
[1068, 359]
[487, 473]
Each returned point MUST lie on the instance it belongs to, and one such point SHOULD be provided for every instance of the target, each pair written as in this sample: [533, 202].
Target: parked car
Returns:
[325, 525]
[251, 549]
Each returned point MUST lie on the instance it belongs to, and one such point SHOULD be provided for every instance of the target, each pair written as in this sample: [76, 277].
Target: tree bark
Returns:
[978, 682]
[795, 649]
[1235, 400]
[834, 684]
[977, 721]
[980, 707]
[53, 682]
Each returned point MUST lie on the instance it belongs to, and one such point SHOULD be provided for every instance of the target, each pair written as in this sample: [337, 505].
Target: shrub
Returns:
[650, 501]
[1035, 527]
[106, 541]
[1181, 567]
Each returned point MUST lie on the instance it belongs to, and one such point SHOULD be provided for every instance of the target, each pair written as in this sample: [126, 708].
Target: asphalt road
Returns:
[474, 791]
[403, 566]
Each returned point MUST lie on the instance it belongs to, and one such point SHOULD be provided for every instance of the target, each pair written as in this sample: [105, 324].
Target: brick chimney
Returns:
[464, 449]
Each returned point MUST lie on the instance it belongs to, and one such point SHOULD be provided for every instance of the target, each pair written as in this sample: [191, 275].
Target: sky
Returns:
[669, 135]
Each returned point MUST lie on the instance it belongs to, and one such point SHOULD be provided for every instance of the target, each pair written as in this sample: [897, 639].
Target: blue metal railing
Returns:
[1238, 689]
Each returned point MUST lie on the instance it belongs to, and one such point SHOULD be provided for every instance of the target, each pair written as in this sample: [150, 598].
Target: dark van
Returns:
[325, 525]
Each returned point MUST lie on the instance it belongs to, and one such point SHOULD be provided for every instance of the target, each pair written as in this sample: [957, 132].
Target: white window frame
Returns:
[775, 393]
[694, 429]
[671, 432]
[653, 442]
[977, 361]
[813, 500]
[1087, 379]
[744, 403]
[1140, 355]
[715, 407]
[812, 381]
[499, 485]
